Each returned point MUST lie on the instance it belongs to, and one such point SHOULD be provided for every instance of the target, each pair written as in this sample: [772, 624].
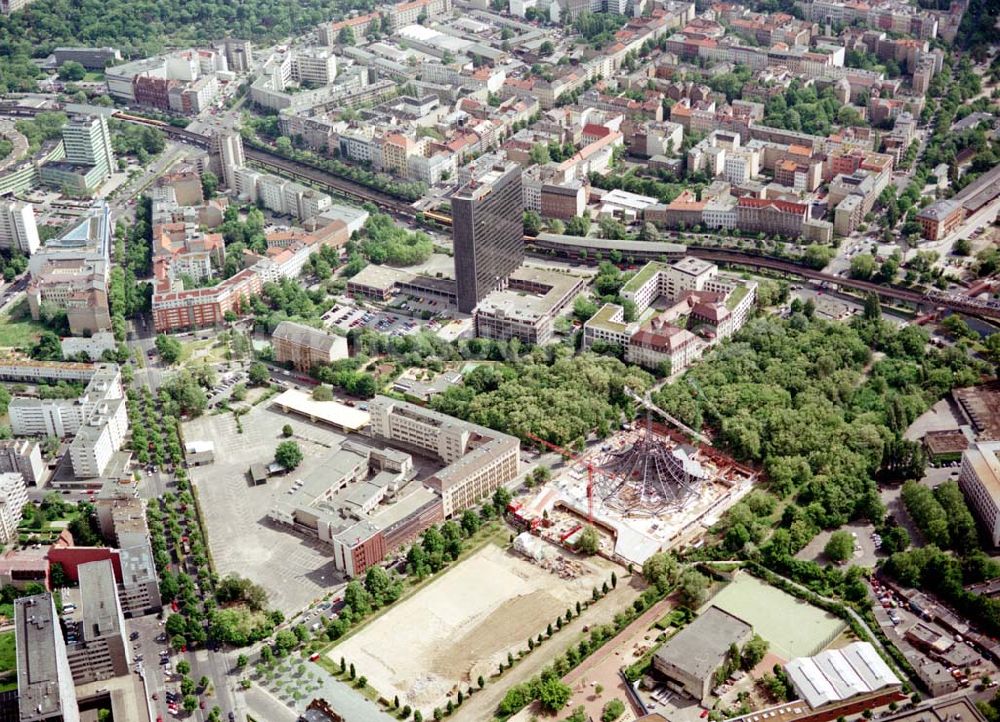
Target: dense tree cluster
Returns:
[942, 516]
[802, 109]
[146, 27]
[405, 190]
[43, 127]
[664, 191]
[139, 140]
[288, 299]
[563, 402]
[806, 400]
[235, 589]
[598, 29]
[931, 569]
[387, 242]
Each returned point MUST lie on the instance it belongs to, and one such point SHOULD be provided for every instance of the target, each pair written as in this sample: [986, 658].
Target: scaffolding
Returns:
[648, 477]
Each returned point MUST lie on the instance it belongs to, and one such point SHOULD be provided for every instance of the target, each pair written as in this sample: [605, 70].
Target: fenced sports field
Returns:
[794, 628]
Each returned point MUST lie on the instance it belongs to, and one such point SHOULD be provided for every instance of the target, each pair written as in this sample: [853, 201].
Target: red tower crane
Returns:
[570, 455]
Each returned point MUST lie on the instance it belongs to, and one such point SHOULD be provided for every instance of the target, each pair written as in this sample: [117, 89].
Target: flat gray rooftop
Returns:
[702, 646]
[99, 596]
[37, 673]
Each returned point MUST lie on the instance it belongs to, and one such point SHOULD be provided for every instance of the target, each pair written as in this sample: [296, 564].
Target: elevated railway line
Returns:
[987, 309]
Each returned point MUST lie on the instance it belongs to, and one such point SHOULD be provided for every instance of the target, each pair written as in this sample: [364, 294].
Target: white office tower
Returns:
[18, 230]
[88, 142]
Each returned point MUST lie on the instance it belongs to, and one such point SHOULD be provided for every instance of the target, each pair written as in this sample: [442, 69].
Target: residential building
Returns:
[18, 230]
[940, 219]
[71, 272]
[175, 308]
[408, 13]
[227, 156]
[44, 681]
[88, 152]
[239, 54]
[563, 201]
[979, 479]
[98, 420]
[139, 588]
[305, 346]
[23, 456]
[98, 439]
[13, 497]
[101, 651]
[772, 217]
[488, 231]
[479, 460]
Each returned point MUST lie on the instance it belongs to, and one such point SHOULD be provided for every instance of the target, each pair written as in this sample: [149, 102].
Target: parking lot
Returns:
[866, 545]
[348, 317]
[294, 570]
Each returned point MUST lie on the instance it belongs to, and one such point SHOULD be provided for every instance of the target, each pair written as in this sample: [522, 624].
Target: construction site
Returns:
[647, 488]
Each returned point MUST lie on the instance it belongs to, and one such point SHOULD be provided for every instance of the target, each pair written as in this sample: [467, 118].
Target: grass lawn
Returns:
[8, 657]
[92, 77]
[208, 350]
[17, 328]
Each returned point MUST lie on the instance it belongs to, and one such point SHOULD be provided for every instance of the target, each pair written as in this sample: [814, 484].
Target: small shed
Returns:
[198, 453]
[258, 474]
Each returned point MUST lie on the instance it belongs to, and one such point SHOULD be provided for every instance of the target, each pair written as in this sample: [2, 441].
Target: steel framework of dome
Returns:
[647, 477]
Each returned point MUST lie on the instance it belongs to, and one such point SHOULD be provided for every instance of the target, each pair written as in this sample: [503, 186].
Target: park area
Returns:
[464, 623]
[792, 627]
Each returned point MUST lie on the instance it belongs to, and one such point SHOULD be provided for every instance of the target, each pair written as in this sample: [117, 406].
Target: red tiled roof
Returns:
[783, 206]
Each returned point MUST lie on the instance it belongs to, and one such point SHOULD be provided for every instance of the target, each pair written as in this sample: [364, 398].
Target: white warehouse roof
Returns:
[840, 674]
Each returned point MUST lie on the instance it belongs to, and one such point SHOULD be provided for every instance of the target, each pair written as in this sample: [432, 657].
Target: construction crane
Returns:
[650, 406]
[570, 455]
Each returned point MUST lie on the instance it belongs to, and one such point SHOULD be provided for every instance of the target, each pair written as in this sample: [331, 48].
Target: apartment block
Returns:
[71, 272]
[45, 688]
[175, 308]
[89, 159]
[97, 420]
[99, 439]
[23, 456]
[227, 156]
[13, 497]
[407, 13]
[239, 54]
[18, 230]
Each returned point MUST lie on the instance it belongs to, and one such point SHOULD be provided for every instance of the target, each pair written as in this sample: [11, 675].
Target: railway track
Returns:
[986, 309]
